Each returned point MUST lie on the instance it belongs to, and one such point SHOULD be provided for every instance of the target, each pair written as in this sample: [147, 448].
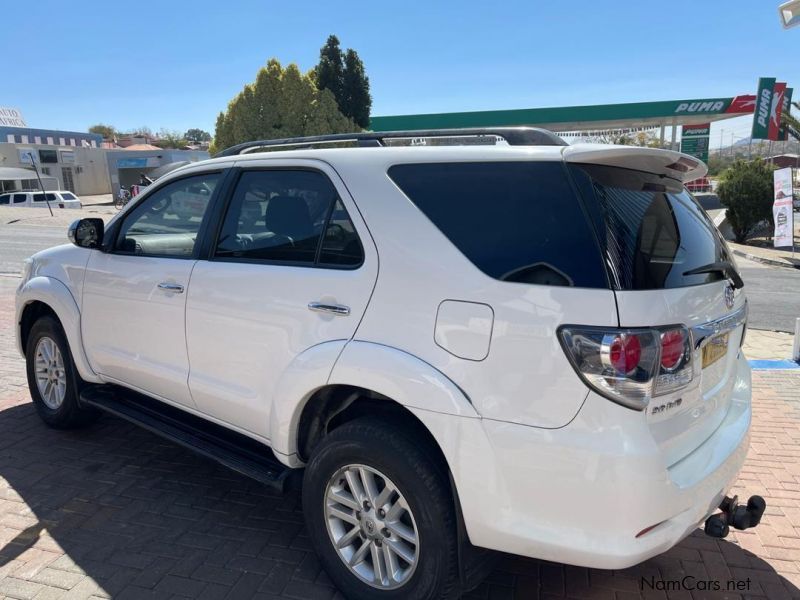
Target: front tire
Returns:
[53, 382]
[380, 514]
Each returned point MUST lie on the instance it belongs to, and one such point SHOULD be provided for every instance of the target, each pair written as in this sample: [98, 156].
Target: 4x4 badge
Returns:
[729, 296]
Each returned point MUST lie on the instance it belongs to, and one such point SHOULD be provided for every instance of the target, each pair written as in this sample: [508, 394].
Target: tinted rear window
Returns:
[515, 221]
[651, 229]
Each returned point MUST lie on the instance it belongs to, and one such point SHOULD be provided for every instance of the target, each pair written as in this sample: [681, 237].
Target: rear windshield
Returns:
[515, 221]
[651, 230]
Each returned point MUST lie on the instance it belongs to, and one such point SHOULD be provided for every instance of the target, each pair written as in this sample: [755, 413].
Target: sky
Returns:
[175, 64]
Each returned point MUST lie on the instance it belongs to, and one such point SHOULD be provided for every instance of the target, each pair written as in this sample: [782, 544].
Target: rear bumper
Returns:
[581, 494]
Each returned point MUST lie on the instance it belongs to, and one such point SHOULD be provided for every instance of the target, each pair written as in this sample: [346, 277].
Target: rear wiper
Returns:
[725, 267]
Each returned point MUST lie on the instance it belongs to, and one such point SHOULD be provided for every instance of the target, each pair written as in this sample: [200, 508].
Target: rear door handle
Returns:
[175, 288]
[334, 309]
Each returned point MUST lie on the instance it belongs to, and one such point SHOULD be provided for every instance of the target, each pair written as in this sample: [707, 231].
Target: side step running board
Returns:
[229, 448]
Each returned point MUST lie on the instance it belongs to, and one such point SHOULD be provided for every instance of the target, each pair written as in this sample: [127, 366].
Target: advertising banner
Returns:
[776, 108]
[694, 140]
[763, 106]
[783, 134]
[11, 117]
[782, 208]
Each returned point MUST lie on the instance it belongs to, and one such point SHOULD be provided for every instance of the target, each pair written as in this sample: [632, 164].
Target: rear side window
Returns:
[651, 229]
[67, 196]
[4, 199]
[515, 221]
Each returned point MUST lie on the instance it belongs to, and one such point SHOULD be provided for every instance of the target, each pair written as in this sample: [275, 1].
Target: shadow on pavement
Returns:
[142, 518]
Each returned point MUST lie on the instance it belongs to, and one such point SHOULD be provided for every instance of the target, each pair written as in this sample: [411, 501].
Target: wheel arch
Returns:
[42, 296]
[361, 371]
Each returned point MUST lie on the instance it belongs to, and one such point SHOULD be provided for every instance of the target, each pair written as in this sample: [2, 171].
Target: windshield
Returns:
[651, 230]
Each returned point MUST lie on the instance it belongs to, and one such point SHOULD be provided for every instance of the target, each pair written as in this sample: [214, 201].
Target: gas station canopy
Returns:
[635, 115]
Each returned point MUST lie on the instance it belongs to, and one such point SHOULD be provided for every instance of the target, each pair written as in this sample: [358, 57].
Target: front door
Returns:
[291, 240]
[134, 296]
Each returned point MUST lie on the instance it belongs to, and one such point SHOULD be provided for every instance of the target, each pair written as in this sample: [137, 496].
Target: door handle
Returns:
[175, 288]
[334, 309]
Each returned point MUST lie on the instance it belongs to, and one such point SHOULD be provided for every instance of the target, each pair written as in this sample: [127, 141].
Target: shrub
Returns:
[746, 189]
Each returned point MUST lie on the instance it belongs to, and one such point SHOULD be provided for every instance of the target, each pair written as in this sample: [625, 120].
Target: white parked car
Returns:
[57, 199]
[527, 347]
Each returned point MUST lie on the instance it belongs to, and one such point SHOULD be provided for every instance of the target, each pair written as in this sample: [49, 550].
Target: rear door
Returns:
[293, 266]
[654, 235]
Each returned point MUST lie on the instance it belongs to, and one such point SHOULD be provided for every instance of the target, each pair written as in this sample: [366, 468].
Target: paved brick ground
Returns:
[113, 511]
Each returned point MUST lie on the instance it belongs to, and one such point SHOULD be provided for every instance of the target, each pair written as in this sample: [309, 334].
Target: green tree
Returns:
[107, 131]
[280, 103]
[355, 90]
[745, 188]
[197, 136]
[329, 72]
[170, 139]
[344, 75]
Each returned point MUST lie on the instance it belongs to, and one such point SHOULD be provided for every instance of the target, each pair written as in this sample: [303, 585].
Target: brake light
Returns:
[625, 353]
[630, 366]
[672, 348]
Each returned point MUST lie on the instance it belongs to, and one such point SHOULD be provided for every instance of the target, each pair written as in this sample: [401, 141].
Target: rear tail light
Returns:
[630, 366]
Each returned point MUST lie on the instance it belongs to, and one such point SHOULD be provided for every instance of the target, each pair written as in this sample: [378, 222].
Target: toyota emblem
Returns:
[729, 297]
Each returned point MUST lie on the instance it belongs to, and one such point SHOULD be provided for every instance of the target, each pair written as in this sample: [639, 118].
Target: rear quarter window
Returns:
[516, 221]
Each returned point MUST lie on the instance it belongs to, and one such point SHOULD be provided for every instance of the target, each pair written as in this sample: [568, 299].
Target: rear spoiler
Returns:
[652, 160]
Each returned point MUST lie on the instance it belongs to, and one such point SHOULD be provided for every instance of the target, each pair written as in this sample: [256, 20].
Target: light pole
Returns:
[41, 187]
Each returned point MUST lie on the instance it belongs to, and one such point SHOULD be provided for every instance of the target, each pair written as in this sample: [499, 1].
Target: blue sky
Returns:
[176, 64]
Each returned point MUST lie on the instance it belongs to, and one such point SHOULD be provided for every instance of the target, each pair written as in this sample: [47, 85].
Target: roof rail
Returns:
[514, 136]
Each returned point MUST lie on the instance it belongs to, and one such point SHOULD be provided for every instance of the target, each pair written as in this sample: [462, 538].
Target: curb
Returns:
[767, 261]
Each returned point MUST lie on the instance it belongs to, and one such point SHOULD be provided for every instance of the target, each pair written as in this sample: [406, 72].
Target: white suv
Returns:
[508, 344]
[57, 199]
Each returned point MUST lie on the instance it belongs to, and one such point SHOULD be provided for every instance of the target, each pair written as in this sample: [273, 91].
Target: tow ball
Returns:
[733, 513]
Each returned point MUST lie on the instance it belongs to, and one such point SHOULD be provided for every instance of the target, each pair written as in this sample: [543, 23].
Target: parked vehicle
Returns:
[547, 362]
[57, 199]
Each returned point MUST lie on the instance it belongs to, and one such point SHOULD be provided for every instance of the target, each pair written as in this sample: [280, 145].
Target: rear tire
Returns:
[405, 524]
[53, 382]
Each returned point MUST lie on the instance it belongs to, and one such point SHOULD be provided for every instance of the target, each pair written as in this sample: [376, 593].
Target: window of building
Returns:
[48, 156]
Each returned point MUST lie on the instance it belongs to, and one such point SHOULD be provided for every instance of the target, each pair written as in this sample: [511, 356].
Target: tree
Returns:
[197, 136]
[170, 139]
[329, 72]
[355, 90]
[107, 131]
[344, 75]
[279, 103]
[745, 188]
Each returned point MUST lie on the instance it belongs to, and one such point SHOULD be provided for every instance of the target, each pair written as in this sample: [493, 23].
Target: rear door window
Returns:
[652, 231]
[20, 198]
[292, 217]
[516, 221]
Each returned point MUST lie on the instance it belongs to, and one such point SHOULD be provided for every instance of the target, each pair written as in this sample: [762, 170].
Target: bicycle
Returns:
[122, 199]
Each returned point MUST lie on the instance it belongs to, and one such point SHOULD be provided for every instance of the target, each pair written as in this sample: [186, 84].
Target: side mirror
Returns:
[86, 233]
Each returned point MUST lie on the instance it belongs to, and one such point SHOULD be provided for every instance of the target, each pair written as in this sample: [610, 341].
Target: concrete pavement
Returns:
[115, 512]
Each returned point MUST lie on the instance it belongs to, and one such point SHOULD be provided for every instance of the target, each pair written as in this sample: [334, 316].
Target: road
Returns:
[773, 292]
[17, 242]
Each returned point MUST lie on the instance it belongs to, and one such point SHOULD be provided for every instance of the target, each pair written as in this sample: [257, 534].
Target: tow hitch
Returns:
[741, 517]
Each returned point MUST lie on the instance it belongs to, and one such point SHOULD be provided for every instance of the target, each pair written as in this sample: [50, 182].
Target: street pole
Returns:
[41, 187]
